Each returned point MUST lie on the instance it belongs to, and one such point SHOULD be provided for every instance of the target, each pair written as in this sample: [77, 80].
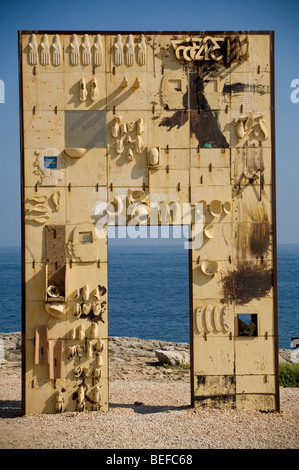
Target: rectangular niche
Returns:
[85, 129]
[55, 262]
[50, 162]
[247, 325]
[85, 237]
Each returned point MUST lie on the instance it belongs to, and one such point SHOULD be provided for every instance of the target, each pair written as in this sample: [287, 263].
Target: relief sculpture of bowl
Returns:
[209, 267]
[75, 152]
[226, 207]
[215, 208]
[209, 231]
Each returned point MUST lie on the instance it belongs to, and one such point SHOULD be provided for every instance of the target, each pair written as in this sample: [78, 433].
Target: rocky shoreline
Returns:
[121, 348]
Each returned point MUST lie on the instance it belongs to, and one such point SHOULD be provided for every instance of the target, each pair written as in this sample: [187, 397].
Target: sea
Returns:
[149, 291]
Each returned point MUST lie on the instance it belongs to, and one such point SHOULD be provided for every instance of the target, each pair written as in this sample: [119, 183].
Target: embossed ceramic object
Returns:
[49, 166]
[215, 208]
[86, 308]
[94, 92]
[56, 309]
[217, 318]
[115, 129]
[59, 401]
[130, 155]
[226, 206]
[137, 83]
[199, 319]
[129, 50]
[53, 291]
[118, 51]
[98, 50]
[153, 156]
[75, 152]
[124, 83]
[139, 146]
[56, 197]
[32, 47]
[209, 231]
[208, 318]
[94, 330]
[86, 55]
[81, 332]
[81, 398]
[77, 310]
[74, 48]
[209, 267]
[119, 146]
[45, 51]
[82, 90]
[85, 292]
[141, 50]
[57, 51]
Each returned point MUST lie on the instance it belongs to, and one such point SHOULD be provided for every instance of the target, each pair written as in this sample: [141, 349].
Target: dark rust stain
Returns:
[239, 87]
[253, 237]
[201, 380]
[216, 400]
[226, 380]
[203, 121]
[206, 128]
[249, 281]
[197, 97]
[259, 239]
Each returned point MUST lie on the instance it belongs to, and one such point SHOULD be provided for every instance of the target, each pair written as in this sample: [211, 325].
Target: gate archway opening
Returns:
[148, 286]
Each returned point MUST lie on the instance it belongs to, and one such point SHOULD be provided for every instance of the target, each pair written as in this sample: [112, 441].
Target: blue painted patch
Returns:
[50, 162]
[207, 145]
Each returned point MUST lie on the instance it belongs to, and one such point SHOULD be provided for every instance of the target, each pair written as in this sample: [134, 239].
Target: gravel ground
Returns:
[164, 421]
[149, 409]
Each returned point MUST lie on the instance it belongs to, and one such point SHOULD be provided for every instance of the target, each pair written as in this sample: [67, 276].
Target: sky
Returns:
[154, 15]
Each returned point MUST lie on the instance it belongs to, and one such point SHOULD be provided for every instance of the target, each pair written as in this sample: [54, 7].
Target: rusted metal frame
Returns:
[191, 323]
[22, 177]
[191, 329]
[20, 33]
[109, 32]
[274, 220]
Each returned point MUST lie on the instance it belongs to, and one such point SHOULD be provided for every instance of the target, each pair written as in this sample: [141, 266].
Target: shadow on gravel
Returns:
[141, 408]
[10, 409]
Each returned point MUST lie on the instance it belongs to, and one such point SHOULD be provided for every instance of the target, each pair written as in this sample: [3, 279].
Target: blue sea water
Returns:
[153, 285]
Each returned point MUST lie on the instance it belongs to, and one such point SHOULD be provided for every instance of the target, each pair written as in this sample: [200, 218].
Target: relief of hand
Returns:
[129, 48]
[141, 50]
[32, 50]
[56, 50]
[118, 51]
[45, 48]
[98, 51]
[74, 50]
[86, 50]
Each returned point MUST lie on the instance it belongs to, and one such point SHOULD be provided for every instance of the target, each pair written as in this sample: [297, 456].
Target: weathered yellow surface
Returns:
[152, 125]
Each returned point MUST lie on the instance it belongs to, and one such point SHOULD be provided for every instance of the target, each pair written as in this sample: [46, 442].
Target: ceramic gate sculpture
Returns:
[148, 128]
